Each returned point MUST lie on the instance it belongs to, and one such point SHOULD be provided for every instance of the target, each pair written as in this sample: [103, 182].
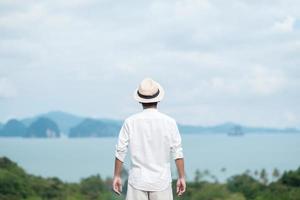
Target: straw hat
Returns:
[149, 91]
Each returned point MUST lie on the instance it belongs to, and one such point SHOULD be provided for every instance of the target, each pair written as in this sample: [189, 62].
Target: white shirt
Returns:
[153, 138]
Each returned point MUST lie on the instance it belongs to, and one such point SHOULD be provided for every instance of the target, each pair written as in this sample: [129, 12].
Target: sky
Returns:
[218, 61]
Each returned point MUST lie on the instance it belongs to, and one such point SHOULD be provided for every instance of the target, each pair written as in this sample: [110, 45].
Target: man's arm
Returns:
[180, 186]
[180, 167]
[120, 154]
[177, 154]
[117, 181]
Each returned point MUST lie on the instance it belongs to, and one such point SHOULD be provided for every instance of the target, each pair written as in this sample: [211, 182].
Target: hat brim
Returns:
[155, 99]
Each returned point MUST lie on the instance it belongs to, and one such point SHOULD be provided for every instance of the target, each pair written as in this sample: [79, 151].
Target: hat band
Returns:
[148, 96]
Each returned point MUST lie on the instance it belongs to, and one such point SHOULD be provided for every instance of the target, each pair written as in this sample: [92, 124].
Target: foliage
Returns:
[92, 187]
[244, 184]
[16, 184]
[291, 178]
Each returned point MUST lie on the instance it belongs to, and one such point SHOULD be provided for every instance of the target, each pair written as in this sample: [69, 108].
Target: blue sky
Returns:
[218, 61]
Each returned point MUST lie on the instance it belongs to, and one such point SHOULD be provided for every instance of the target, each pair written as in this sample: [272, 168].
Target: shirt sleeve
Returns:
[123, 141]
[176, 146]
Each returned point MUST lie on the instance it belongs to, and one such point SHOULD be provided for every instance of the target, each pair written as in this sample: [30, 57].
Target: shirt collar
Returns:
[150, 110]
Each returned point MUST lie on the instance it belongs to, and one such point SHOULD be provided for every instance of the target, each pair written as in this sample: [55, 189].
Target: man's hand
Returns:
[117, 185]
[180, 186]
[117, 181]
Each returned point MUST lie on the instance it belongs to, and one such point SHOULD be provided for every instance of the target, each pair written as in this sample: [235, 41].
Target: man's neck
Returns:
[150, 107]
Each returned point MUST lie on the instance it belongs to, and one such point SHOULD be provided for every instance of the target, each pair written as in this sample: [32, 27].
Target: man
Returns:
[152, 138]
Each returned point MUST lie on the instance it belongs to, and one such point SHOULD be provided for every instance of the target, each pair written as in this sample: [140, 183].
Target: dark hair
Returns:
[147, 105]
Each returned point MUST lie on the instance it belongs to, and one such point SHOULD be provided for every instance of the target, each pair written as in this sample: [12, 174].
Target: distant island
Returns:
[57, 123]
[95, 128]
[42, 127]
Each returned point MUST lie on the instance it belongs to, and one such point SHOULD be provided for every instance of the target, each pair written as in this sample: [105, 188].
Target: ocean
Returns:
[220, 155]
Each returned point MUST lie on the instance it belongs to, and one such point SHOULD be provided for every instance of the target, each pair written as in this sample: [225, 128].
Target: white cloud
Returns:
[286, 25]
[22, 18]
[291, 117]
[7, 88]
[204, 49]
[186, 8]
[265, 81]
[217, 86]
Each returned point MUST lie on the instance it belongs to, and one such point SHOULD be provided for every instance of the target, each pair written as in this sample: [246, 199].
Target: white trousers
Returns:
[135, 194]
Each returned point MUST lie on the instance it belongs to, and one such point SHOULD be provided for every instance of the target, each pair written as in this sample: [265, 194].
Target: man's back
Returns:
[151, 137]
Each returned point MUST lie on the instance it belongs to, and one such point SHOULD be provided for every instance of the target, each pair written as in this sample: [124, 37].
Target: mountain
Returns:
[219, 128]
[79, 126]
[1, 125]
[64, 120]
[95, 128]
[228, 127]
[43, 127]
[13, 128]
[270, 130]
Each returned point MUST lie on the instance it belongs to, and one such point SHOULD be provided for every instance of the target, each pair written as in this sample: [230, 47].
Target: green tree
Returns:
[223, 169]
[13, 181]
[244, 184]
[198, 176]
[50, 188]
[92, 187]
[291, 178]
[213, 191]
[275, 173]
[248, 172]
[263, 176]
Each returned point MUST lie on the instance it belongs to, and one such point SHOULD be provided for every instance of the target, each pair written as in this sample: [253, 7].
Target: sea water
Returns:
[219, 155]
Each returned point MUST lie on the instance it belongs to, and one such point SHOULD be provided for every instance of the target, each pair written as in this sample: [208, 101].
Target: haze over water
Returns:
[72, 159]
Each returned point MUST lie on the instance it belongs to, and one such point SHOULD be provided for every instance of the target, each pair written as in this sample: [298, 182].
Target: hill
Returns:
[43, 127]
[228, 126]
[79, 126]
[13, 128]
[64, 120]
[95, 128]
[17, 184]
